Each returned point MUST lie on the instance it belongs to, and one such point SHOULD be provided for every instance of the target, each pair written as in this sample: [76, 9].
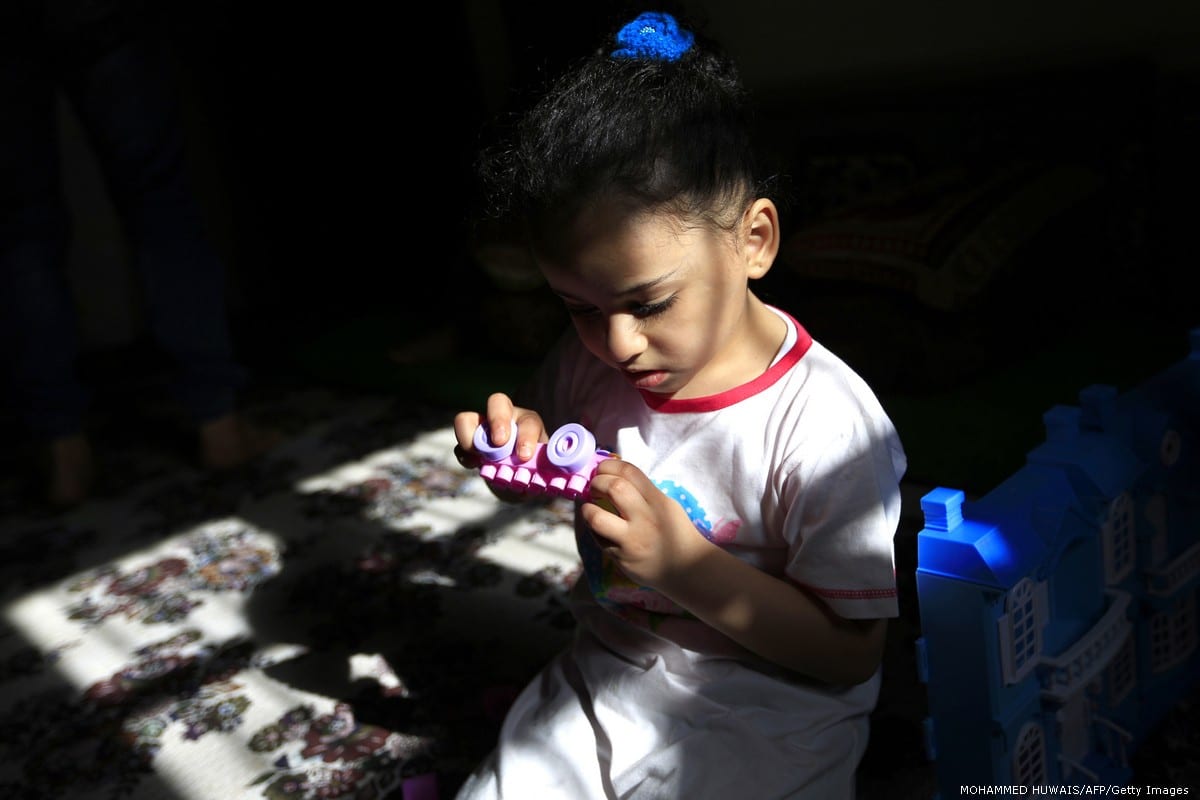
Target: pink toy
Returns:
[563, 466]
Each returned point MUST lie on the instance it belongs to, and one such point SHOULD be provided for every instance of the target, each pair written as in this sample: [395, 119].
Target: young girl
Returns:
[738, 555]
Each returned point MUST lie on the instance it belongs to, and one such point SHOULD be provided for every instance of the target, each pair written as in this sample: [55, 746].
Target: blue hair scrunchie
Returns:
[655, 36]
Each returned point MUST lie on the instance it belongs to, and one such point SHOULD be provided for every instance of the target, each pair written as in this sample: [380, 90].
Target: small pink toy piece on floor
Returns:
[563, 466]
[420, 787]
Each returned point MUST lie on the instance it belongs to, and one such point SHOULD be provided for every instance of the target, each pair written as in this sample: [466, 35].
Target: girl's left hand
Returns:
[650, 537]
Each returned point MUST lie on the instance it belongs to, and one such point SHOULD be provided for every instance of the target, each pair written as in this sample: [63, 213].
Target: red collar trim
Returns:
[715, 402]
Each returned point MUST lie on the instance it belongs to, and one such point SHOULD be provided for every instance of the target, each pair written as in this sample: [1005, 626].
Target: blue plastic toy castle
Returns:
[1059, 610]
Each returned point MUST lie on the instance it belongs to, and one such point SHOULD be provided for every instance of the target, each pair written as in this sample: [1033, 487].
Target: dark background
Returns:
[331, 147]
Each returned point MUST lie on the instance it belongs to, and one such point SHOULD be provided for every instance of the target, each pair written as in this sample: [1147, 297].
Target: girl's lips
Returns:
[646, 380]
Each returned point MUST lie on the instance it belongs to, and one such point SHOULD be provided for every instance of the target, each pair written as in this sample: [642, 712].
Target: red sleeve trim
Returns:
[853, 594]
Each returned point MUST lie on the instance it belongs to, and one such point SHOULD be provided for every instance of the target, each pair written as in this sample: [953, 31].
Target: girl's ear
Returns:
[760, 237]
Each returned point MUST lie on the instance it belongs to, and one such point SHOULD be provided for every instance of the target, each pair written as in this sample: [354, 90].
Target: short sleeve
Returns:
[843, 508]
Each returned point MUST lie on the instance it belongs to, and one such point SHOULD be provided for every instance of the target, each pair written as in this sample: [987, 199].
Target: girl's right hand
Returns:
[500, 419]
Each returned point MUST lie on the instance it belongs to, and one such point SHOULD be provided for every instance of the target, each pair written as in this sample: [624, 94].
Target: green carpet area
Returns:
[972, 438]
[358, 354]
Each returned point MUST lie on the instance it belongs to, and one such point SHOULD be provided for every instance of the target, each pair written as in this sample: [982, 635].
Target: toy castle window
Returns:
[1117, 533]
[1173, 633]
[1029, 757]
[1021, 629]
[1122, 673]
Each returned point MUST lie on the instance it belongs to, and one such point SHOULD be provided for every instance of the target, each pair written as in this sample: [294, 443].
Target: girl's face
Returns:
[667, 304]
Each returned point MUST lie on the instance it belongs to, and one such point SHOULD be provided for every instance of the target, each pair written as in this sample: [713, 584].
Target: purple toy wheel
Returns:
[490, 452]
[571, 447]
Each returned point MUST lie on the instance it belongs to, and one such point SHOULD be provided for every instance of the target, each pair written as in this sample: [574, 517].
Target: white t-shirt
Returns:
[796, 472]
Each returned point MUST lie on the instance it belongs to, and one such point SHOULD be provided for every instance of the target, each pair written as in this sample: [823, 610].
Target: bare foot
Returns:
[230, 441]
[70, 471]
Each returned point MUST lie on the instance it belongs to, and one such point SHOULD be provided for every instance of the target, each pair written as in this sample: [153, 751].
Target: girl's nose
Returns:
[625, 341]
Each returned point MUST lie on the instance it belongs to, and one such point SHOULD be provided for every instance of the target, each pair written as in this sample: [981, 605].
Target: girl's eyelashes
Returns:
[639, 310]
[647, 310]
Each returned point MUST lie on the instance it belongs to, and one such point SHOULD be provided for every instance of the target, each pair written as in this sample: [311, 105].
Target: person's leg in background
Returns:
[121, 89]
[37, 315]
[127, 101]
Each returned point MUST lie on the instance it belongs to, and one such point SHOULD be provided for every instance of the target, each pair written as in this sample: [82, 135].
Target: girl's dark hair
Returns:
[657, 134]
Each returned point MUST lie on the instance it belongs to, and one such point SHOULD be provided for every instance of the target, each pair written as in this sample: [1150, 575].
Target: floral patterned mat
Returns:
[348, 618]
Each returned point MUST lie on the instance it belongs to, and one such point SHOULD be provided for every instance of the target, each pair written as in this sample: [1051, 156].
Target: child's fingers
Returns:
[500, 421]
[607, 526]
[613, 470]
[623, 498]
[499, 418]
[530, 431]
[465, 423]
[466, 458]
